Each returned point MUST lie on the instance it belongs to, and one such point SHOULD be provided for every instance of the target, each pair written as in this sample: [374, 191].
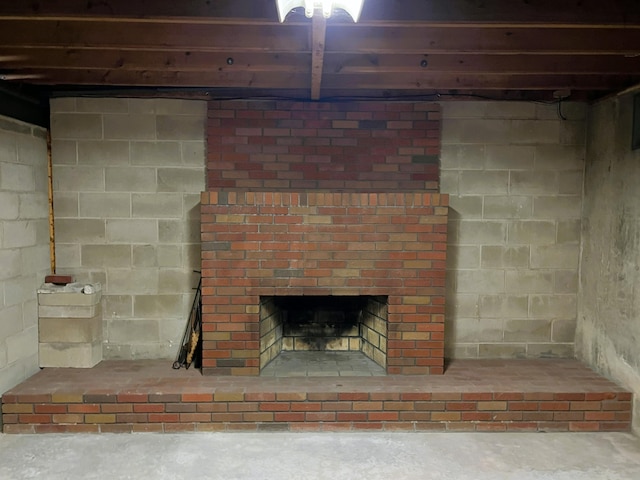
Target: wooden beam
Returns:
[496, 40]
[155, 36]
[348, 63]
[211, 79]
[622, 12]
[177, 60]
[445, 81]
[319, 28]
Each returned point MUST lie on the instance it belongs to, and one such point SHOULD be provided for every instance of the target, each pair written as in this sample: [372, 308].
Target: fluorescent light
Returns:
[352, 7]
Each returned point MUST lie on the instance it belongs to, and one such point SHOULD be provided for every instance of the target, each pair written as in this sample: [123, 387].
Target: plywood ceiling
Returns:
[507, 49]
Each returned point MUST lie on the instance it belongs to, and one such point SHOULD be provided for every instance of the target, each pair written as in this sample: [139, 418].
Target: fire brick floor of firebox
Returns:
[322, 364]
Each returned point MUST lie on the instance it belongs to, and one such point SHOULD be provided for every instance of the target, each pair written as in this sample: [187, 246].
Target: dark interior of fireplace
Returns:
[325, 325]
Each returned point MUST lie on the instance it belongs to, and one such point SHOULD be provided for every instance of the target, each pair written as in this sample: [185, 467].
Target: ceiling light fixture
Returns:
[352, 7]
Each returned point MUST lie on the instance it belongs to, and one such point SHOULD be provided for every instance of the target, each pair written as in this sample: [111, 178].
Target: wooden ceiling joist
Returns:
[511, 48]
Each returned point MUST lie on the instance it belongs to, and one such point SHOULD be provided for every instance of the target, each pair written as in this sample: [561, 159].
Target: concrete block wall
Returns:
[127, 180]
[514, 172]
[608, 328]
[24, 246]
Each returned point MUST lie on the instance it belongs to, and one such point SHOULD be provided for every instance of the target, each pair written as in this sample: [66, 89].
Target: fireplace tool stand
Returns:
[191, 343]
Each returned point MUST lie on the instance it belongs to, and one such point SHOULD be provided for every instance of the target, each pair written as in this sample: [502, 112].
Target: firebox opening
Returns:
[323, 324]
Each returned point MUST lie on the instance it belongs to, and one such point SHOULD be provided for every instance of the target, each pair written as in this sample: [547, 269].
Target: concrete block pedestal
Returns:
[70, 325]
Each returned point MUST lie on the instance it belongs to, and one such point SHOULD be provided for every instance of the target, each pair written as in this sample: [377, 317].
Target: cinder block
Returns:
[176, 231]
[70, 330]
[101, 153]
[68, 255]
[68, 178]
[503, 306]
[160, 205]
[9, 205]
[507, 207]
[551, 350]
[66, 204]
[118, 306]
[502, 350]
[134, 331]
[129, 126]
[461, 157]
[477, 232]
[75, 126]
[498, 256]
[159, 306]
[102, 105]
[11, 263]
[527, 330]
[474, 330]
[69, 296]
[180, 127]
[130, 179]
[17, 177]
[570, 183]
[553, 306]
[21, 345]
[529, 281]
[105, 205]
[563, 330]
[171, 106]
[560, 157]
[569, 231]
[106, 255]
[467, 206]
[480, 281]
[509, 157]
[493, 182]
[19, 234]
[65, 311]
[573, 133]
[163, 153]
[124, 281]
[533, 183]
[477, 131]
[461, 305]
[181, 179]
[510, 110]
[132, 231]
[63, 104]
[532, 232]
[557, 207]
[534, 132]
[64, 152]
[33, 206]
[566, 281]
[70, 355]
[193, 153]
[463, 257]
[555, 256]
[10, 320]
[463, 109]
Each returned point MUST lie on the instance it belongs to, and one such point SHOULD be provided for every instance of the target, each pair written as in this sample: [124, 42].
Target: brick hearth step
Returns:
[472, 395]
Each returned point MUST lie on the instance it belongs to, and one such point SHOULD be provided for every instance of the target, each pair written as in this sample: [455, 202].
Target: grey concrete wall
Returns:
[24, 246]
[127, 174]
[514, 172]
[608, 334]
[127, 179]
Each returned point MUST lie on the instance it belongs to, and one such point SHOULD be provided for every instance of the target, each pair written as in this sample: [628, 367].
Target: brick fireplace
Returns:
[328, 204]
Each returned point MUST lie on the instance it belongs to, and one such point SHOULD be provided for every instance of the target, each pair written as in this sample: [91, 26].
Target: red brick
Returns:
[584, 426]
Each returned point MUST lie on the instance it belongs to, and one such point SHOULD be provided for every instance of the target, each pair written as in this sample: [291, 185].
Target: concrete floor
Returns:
[370, 456]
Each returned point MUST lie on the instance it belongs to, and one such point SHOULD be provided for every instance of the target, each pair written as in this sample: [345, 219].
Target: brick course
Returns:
[293, 411]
